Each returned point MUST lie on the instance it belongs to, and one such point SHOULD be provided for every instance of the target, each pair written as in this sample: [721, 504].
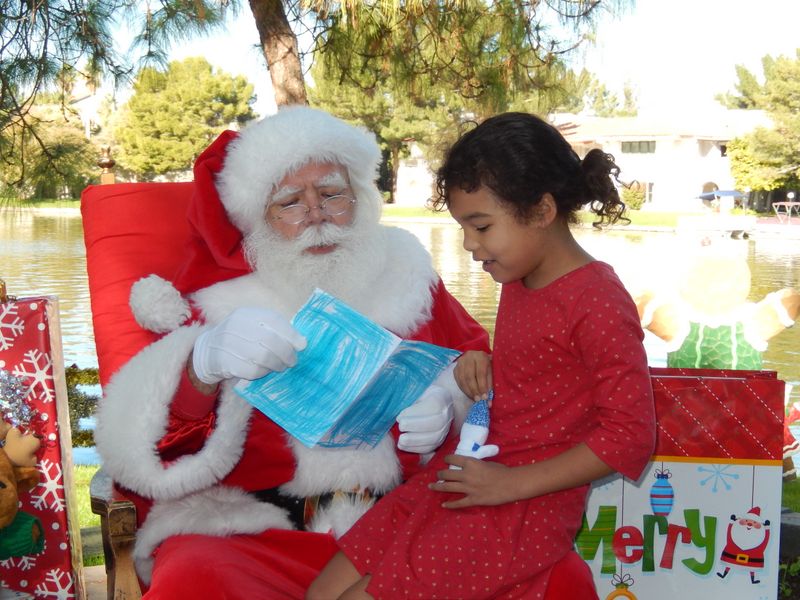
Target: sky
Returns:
[676, 54]
[679, 54]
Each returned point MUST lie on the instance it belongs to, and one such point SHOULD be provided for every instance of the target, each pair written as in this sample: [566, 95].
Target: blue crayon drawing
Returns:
[350, 382]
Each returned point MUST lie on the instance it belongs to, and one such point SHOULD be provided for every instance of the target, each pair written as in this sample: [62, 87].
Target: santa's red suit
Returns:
[750, 558]
[222, 495]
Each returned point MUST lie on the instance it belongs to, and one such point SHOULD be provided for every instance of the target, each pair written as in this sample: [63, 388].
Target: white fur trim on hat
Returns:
[266, 151]
[157, 306]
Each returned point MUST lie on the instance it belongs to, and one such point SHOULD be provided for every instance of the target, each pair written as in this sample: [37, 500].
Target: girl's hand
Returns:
[482, 483]
[473, 374]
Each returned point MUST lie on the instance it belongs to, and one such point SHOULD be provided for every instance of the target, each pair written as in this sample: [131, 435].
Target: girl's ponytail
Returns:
[598, 168]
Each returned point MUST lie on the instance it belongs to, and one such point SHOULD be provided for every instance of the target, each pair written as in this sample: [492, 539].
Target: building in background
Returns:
[673, 158]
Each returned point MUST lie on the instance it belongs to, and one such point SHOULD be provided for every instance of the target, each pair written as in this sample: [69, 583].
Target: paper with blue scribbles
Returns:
[351, 381]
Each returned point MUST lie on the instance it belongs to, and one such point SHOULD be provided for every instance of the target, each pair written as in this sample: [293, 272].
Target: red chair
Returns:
[132, 230]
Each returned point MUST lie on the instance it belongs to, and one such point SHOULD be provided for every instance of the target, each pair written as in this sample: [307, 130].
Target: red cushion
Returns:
[130, 230]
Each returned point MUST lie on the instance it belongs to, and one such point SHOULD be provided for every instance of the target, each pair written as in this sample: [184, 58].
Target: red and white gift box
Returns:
[717, 464]
[30, 349]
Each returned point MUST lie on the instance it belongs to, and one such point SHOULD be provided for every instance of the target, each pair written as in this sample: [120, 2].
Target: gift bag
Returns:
[34, 399]
[703, 521]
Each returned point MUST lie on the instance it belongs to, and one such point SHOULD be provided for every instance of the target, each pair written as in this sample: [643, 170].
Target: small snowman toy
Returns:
[474, 432]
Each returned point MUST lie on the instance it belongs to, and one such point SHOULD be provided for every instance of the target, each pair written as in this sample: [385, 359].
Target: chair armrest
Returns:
[118, 530]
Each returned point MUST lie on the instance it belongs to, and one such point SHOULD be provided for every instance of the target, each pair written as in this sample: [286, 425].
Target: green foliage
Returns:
[789, 584]
[175, 114]
[418, 71]
[80, 403]
[43, 45]
[57, 163]
[748, 90]
[486, 54]
[633, 197]
[768, 159]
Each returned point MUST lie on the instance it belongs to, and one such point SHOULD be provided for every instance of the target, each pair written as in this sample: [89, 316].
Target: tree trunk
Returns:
[280, 49]
[394, 168]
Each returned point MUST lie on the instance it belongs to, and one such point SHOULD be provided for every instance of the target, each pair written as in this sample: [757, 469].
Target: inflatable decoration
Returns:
[708, 322]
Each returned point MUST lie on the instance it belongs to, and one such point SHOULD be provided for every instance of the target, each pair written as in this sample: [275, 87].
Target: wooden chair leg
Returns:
[118, 529]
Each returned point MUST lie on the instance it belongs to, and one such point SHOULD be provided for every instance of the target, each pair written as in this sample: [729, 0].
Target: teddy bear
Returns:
[707, 321]
[21, 534]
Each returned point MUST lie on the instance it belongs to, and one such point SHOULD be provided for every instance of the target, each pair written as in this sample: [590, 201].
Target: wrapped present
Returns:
[33, 397]
[703, 521]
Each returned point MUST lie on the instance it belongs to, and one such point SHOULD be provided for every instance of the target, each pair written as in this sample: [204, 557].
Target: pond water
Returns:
[43, 254]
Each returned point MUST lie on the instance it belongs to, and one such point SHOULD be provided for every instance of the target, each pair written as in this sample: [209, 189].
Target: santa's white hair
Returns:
[268, 150]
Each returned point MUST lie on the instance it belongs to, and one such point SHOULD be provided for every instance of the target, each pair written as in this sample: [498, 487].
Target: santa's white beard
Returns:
[347, 273]
[746, 538]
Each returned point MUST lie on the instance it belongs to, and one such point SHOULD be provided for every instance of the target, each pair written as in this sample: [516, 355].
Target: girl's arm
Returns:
[491, 483]
[473, 374]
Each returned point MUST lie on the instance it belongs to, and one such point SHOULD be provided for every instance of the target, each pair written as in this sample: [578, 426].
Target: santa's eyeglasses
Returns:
[332, 206]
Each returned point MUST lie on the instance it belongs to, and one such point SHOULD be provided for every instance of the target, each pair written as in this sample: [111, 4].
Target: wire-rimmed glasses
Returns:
[332, 206]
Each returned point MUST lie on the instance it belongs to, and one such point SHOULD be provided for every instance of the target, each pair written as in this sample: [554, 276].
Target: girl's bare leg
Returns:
[338, 577]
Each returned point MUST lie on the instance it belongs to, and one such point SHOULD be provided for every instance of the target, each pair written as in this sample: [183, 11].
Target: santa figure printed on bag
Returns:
[746, 540]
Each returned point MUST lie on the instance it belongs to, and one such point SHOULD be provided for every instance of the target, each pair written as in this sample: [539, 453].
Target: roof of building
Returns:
[720, 125]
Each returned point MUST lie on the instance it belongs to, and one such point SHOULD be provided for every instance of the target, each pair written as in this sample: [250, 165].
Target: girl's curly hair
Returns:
[520, 157]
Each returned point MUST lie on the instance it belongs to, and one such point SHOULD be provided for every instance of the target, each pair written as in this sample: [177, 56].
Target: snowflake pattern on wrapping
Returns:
[11, 325]
[23, 563]
[26, 351]
[41, 374]
[57, 584]
[52, 495]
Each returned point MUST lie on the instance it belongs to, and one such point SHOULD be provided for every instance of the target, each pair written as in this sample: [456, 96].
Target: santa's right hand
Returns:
[247, 344]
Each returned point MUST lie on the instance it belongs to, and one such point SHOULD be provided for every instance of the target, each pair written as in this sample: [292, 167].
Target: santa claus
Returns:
[746, 541]
[230, 504]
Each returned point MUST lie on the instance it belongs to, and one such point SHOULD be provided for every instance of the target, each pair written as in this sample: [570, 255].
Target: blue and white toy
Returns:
[474, 432]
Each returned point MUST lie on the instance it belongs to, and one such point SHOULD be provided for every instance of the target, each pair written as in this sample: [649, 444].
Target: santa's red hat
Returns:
[234, 178]
[754, 514]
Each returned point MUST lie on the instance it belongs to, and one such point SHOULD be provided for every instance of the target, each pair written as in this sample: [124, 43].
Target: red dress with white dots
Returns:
[568, 367]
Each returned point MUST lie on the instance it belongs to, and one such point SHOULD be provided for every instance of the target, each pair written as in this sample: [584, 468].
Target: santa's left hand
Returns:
[425, 423]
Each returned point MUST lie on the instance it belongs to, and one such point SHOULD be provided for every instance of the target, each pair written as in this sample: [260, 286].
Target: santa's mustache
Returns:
[268, 242]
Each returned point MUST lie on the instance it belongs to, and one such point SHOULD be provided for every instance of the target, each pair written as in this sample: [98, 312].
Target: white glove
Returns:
[248, 344]
[426, 422]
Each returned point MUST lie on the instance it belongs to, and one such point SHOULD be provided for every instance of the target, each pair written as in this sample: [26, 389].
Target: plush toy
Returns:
[474, 432]
[707, 320]
[20, 533]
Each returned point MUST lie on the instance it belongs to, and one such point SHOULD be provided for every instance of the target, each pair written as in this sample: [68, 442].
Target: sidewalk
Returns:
[95, 580]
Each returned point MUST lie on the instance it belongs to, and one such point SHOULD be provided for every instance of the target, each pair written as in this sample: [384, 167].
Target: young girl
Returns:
[572, 396]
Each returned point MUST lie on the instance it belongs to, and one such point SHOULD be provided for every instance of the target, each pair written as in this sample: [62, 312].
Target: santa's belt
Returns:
[302, 510]
[743, 558]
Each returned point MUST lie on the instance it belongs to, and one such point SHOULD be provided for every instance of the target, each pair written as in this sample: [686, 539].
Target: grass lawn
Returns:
[43, 203]
[82, 475]
[791, 495]
[638, 218]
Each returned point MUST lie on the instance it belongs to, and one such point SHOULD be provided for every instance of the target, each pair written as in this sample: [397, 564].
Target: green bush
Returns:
[633, 197]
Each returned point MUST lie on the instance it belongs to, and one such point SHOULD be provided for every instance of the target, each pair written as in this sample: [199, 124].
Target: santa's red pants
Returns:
[278, 565]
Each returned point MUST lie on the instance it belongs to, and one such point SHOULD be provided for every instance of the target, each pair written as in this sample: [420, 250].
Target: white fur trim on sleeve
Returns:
[157, 306]
[133, 415]
[218, 511]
